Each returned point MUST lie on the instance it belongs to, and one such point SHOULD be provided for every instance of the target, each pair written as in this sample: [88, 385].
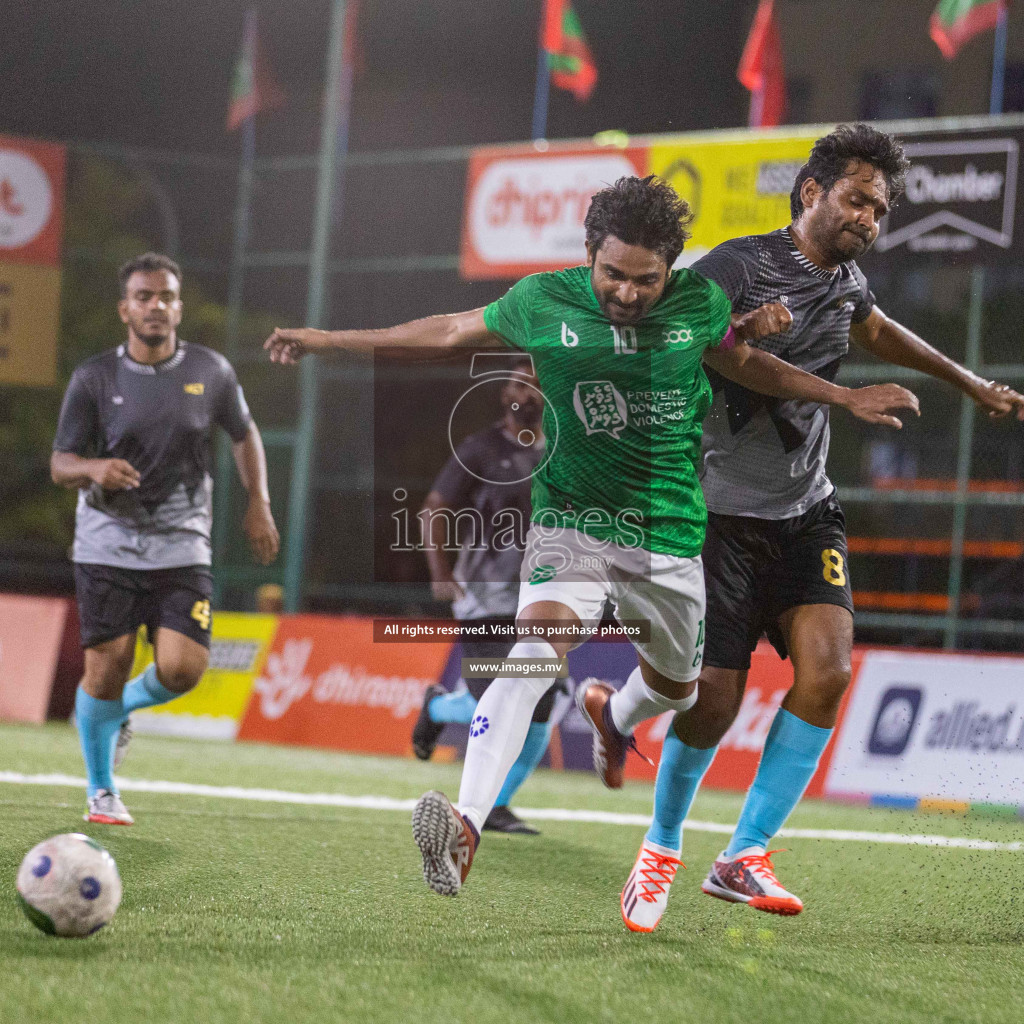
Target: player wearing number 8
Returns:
[134, 439]
[775, 555]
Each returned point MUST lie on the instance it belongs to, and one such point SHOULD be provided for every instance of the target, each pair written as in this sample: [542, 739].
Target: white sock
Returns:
[636, 702]
[504, 714]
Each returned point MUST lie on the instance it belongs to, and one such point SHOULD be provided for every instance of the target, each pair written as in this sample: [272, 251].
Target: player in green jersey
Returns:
[618, 513]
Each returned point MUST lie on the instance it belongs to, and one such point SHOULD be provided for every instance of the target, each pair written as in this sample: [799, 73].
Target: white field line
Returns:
[385, 803]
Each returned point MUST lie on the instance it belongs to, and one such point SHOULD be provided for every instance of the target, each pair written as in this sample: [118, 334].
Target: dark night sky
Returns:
[435, 73]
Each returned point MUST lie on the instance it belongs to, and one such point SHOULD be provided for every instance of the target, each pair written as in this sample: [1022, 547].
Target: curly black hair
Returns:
[640, 211]
[145, 263]
[832, 154]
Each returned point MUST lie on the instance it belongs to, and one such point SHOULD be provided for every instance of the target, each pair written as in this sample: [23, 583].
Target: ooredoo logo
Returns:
[26, 199]
[894, 721]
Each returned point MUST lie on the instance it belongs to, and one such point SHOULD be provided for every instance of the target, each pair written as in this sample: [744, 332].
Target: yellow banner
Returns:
[735, 188]
[29, 322]
[238, 649]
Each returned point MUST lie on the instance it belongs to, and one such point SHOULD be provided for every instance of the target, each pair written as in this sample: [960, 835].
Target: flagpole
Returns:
[995, 105]
[236, 287]
[541, 91]
[303, 450]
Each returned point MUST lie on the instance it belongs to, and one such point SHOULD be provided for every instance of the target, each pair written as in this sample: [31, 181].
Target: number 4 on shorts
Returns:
[201, 613]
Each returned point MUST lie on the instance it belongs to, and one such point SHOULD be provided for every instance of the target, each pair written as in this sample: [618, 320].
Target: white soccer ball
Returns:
[69, 885]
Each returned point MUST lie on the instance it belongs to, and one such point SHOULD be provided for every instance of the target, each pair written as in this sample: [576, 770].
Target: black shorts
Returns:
[113, 602]
[499, 649]
[755, 569]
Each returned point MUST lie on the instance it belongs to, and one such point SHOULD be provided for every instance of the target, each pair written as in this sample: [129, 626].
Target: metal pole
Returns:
[302, 453]
[236, 286]
[972, 360]
[541, 91]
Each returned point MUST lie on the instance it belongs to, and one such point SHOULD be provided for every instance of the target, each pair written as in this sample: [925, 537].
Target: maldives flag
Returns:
[761, 69]
[955, 21]
[569, 58]
[252, 88]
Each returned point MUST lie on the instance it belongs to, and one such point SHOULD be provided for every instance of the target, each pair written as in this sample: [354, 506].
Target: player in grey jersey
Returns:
[134, 439]
[775, 553]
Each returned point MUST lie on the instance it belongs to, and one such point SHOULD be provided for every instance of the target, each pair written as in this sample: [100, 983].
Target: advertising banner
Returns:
[31, 629]
[734, 187]
[214, 709]
[933, 727]
[327, 684]
[524, 209]
[962, 203]
[31, 228]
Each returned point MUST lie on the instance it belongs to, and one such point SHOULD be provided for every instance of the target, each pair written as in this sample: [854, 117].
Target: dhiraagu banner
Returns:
[734, 187]
[213, 710]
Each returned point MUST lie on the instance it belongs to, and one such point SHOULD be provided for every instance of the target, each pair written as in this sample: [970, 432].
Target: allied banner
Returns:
[326, 683]
[524, 209]
[933, 727]
[214, 709]
[31, 629]
[31, 229]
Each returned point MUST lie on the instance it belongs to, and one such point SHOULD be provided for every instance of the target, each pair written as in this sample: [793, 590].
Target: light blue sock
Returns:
[146, 691]
[791, 753]
[452, 707]
[98, 724]
[533, 750]
[679, 773]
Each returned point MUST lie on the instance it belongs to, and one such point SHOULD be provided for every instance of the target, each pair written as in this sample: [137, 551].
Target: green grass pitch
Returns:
[238, 911]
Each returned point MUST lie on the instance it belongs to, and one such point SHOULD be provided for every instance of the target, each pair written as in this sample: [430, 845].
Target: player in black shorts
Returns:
[775, 555]
[481, 498]
[134, 439]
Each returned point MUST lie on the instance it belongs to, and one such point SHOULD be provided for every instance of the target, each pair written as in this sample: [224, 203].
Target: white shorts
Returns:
[561, 564]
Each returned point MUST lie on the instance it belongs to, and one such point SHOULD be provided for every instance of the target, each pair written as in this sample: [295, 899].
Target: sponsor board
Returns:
[524, 209]
[961, 199]
[31, 201]
[326, 683]
[736, 187]
[213, 710]
[31, 630]
[933, 727]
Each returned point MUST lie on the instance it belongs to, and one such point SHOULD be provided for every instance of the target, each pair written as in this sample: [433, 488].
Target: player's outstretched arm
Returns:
[258, 522]
[765, 373]
[431, 337]
[70, 470]
[894, 343]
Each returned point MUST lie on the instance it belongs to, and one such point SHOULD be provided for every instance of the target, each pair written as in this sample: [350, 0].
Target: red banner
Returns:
[31, 201]
[740, 750]
[326, 683]
[525, 209]
[31, 629]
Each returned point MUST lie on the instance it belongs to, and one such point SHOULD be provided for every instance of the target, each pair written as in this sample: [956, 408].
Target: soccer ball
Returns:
[69, 885]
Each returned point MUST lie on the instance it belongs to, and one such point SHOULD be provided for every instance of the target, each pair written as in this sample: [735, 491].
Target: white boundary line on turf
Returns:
[384, 803]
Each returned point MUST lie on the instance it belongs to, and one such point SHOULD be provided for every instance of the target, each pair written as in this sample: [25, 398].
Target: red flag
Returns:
[954, 22]
[253, 87]
[761, 69]
[569, 58]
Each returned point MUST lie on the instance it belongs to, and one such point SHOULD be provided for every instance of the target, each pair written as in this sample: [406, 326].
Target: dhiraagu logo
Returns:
[543, 573]
[681, 337]
[600, 407]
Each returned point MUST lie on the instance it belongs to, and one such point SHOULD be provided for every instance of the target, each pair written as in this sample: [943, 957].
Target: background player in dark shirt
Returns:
[488, 476]
[775, 554]
[134, 439]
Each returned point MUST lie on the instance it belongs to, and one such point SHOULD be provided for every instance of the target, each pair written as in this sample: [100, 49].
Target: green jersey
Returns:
[623, 406]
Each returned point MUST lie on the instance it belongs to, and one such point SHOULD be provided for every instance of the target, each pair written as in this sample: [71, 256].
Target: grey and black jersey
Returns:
[765, 456]
[489, 475]
[159, 418]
